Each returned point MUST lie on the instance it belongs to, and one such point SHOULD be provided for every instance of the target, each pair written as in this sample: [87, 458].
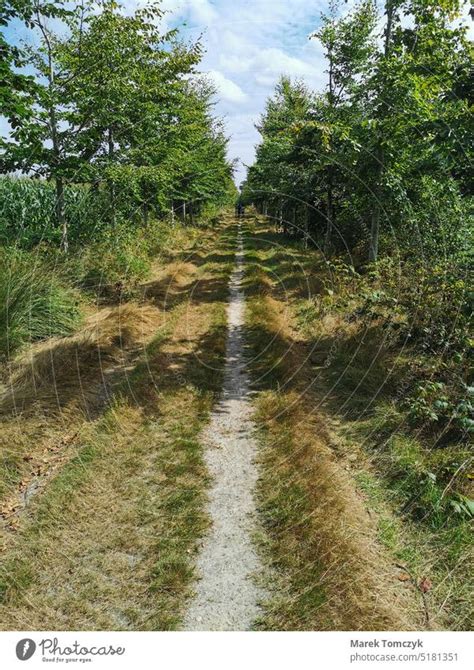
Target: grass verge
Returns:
[109, 540]
[361, 535]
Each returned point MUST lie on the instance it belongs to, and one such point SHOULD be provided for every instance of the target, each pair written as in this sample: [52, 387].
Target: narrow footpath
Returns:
[227, 595]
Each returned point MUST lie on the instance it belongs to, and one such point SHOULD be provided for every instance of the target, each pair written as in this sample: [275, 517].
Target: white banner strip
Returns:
[222, 651]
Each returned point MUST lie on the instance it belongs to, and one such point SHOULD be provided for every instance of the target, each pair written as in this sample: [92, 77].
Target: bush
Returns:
[421, 316]
[34, 303]
[435, 401]
[115, 264]
[432, 484]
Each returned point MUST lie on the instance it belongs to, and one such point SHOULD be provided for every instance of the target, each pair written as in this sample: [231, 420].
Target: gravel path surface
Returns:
[226, 595]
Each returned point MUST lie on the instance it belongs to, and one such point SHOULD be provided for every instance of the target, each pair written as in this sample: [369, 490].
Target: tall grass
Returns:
[34, 304]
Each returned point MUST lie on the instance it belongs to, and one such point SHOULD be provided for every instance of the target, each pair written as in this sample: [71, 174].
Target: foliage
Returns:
[424, 312]
[379, 158]
[117, 110]
[434, 401]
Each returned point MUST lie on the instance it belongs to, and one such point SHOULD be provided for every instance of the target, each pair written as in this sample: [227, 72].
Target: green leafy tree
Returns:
[275, 182]
[349, 47]
[117, 103]
[125, 78]
[15, 87]
[38, 138]
[388, 141]
[411, 77]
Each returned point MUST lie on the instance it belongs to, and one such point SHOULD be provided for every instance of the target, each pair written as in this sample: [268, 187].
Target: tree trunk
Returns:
[113, 215]
[306, 226]
[376, 210]
[59, 206]
[379, 152]
[374, 234]
[329, 169]
[60, 212]
[172, 213]
[145, 213]
[329, 213]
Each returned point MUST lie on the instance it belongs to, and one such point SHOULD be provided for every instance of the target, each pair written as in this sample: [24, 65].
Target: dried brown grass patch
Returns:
[329, 531]
[71, 371]
[109, 543]
[95, 537]
[52, 389]
[332, 570]
[168, 283]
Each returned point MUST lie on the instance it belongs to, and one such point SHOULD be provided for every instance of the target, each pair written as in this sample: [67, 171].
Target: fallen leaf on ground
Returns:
[425, 585]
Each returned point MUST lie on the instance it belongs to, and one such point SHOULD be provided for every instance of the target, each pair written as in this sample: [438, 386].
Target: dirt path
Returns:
[227, 597]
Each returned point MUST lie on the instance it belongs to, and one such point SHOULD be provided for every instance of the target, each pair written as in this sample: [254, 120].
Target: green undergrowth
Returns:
[35, 303]
[43, 292]
[404, 403]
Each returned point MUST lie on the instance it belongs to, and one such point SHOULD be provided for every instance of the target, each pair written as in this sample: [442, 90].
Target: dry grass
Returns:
[54, 387]
[92, 552]
[333, 572]
[347, 374]
[107, 541]
[70, 370]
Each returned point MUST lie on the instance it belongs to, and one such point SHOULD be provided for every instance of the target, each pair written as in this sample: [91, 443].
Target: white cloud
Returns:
[277, 60]
[201, 11]
[235, 63]
[227, 89]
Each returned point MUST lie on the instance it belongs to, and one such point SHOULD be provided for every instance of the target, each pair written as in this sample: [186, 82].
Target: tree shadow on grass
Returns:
[85, 372]
[346, 371]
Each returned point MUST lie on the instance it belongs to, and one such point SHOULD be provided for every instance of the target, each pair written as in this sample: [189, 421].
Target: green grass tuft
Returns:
[34, 304]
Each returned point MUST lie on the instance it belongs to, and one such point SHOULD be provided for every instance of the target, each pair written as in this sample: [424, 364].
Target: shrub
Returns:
[435, 401]
[115, 264]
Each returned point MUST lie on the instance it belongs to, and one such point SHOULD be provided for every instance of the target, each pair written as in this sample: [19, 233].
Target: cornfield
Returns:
[27, 212]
